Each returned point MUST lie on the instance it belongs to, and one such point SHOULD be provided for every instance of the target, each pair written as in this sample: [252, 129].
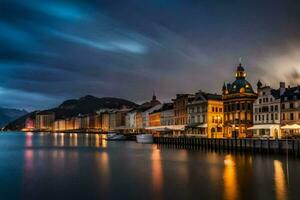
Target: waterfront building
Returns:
[44, 120]
[205, 115]
[29, 124]
[130, 120]
[163, 116]
[180, 108]
[266, 112]
[95, 122]
[105, 121]
[121, 117]
[59, 125]
[112, 120]
[238, 98]
[167, 115]
[70, 123]
[138, 118]
[290, 111]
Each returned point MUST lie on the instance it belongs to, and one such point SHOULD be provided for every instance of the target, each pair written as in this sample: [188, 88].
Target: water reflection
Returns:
[104, 169]
[280, 181]
[157, 172]
[28, 141]
[230, 179]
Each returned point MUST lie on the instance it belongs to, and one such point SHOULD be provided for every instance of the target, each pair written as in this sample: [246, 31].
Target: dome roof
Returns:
[240, 86]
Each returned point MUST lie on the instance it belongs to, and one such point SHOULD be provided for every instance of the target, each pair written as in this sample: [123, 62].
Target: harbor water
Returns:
[86, 166]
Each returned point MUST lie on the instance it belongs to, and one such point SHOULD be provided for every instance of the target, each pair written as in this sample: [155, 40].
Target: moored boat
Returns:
[144, 138]
[115, 137]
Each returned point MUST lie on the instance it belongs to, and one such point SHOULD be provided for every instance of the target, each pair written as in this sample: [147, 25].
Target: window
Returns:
[292, 116]
[272, 117]
[283, 116]
[267, 117]
[220, 110]
[255, 117]
[283, 106]
[276, 108]
[259, 118]
[249, 106]
[263, 117]
[272, 108]
[238, 106]
[276, 116]
[213, 109]
[260, 101]
[291, 105]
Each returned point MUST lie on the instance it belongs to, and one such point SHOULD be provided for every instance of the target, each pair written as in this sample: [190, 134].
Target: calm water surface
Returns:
[73, 166]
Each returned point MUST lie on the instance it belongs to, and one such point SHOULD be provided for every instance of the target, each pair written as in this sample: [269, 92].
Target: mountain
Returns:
[71, 108]
[8, 114]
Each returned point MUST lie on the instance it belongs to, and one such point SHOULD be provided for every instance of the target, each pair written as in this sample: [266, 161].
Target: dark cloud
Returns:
[53, 50]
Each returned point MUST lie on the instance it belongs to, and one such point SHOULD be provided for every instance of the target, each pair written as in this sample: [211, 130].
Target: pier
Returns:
[280, 146]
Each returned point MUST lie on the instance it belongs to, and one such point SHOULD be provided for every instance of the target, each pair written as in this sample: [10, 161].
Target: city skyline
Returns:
[57, 50]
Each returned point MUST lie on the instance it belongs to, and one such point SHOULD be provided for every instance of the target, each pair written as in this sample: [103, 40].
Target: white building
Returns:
[130, 119]
[266, 112]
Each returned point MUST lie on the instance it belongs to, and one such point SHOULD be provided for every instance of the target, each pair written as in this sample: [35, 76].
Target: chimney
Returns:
[282, 88]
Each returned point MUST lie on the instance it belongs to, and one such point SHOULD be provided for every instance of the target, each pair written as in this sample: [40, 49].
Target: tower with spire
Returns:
[238, 98]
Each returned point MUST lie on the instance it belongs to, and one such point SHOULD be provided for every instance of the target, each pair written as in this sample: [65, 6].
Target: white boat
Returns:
[144, 138]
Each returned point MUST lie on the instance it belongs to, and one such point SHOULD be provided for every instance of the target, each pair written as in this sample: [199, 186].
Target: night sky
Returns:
[55, 50]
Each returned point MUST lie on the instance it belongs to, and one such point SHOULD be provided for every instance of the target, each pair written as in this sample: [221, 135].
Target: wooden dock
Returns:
[291, 146]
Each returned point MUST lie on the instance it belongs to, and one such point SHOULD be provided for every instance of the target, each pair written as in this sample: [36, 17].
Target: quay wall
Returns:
[291, 146]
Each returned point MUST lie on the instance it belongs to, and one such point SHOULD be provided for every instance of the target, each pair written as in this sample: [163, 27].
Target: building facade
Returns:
[180, 108]
[238, 98]
[290, 111]
[167, 115]
[44, 120]
[266, 112]
[163, 116]
[205, 115]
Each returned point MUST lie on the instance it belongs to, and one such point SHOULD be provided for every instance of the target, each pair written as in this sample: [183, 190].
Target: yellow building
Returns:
[205, 115]
[154, 118]
[215, 119]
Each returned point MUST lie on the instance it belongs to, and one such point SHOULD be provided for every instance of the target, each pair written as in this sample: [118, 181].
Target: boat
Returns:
[144, 138]
[115, 137]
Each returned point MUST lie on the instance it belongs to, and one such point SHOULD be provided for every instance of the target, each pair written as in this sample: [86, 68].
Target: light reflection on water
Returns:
[280, 181]
[230, 179]
[78, 164]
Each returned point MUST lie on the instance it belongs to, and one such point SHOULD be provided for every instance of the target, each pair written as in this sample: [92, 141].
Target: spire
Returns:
[224, 87]
[153, 96]
[259, 84]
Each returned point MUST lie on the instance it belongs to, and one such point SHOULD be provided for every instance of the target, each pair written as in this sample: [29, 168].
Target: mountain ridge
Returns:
[73, 107]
